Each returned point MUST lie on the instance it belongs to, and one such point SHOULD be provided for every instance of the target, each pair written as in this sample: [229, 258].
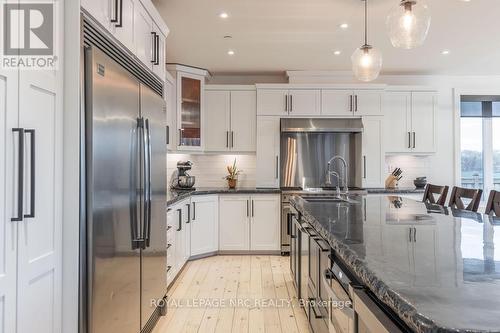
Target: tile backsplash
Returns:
[412, 166]
[209, 169]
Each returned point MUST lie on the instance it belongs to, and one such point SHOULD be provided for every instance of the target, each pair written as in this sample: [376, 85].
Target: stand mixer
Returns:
[183, 181]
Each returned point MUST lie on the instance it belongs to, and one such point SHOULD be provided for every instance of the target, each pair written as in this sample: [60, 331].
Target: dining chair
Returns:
[431, 190]
[493, 205]
[459, 193]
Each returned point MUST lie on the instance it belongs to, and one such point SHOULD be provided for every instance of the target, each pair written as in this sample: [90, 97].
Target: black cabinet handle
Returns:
[31, 214]
[180, 219]
[189, 213]
[355, 103]
[227, 139]
[253, 214]
[364, 166]
[414, 235]
[157, 48]
[276, 167]
[168, 135]
[118, 19]
[153, 48]
[20, 175]
[115, 19]
[169, 246]
[286, 103]
[409, 140]
[248, 208]
[194, 211]
[168, 268]
[289, 223]
[232, 139]
[414, 138]
[291, 103]
[318, 240]
[350, 103]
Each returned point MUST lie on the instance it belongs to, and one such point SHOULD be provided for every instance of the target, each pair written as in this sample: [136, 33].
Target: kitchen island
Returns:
[433, 267]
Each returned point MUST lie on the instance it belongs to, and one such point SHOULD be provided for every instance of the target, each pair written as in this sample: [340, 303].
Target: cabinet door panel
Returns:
[304, 102]
[272, 102]
[39, 238]
[268, 140]
[265, 223]
[367, 103]
[170, 96]
[143, 36]
[397, 121]
[125, 33]
[373, 152]
[8, 145]
[217, 107]
[204, 225]
[100, 10]
[336, 102]
[190, 99]
[234, 223]
[423, 118]
[243, 120]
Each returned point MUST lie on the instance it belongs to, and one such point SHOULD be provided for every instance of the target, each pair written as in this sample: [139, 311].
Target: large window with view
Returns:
[480, 142]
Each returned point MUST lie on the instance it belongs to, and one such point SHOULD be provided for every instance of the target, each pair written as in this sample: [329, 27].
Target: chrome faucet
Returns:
[329, 173]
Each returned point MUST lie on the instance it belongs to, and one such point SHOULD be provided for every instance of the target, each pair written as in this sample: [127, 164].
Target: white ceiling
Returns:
[279, 35]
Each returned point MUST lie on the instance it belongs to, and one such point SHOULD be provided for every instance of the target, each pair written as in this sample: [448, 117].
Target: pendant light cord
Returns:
[366, 20]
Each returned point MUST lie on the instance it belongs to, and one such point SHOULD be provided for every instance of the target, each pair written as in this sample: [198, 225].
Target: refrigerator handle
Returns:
[147, 184]
[135, 209]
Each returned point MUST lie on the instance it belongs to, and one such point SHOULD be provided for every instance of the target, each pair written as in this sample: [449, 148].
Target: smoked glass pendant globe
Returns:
[408, 24]
[366, 63]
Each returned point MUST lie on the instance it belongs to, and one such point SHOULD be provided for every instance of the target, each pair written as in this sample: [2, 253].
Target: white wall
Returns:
[209, 169]
[440, 167]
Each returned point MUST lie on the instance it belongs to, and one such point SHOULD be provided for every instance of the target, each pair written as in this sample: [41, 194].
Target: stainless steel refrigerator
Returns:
[125, 198]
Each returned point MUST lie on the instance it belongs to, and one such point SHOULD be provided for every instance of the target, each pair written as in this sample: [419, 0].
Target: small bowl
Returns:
[420, 183]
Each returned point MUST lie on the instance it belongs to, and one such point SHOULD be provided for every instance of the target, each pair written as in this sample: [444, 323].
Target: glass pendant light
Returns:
[408, 23]
[366, 60]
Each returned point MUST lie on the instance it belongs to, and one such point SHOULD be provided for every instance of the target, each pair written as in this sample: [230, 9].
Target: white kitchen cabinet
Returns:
[144, 39]
[304, 102]
[171, 98]
[30, 201]
[204, 224]
[423, 121]
[123, 30]
[230, 124]
[234, 220]
[243, 120]
[288, 102]
[268, 151]
[272, 102]
[249, 223]
[265, 223]
[373, 152]
[180, 219]
[336, 103]
[137, 26]
[351, 103]
[8, 230]
[171, 244]
[190, 105]
[411, 116]
[217, 122]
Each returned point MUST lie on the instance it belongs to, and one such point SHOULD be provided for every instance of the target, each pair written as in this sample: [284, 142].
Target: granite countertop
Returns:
[174, 196]
[401, 190]
[437, 268]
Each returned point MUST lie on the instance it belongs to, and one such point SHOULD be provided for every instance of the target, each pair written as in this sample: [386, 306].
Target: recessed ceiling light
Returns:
[337, 52]
[344, 26]
[230, 52]
[223, 15]
[445, 52]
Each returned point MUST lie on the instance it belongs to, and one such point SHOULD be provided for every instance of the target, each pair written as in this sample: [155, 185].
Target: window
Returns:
[480, 142]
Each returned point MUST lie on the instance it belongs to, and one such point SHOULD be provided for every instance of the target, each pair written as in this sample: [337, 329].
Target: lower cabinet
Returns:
[178, 238]
[249, 223]
[204, 224]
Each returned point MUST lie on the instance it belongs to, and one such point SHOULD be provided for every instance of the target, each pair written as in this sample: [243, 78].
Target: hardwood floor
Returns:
[234, 294]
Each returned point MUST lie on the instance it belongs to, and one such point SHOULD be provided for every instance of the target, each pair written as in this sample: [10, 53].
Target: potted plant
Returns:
[232, 176]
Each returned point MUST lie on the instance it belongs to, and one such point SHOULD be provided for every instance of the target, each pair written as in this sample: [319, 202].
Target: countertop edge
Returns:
[237, 191]
[402, 308]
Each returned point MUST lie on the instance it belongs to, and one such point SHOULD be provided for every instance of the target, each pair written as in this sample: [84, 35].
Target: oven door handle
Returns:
[347, 308]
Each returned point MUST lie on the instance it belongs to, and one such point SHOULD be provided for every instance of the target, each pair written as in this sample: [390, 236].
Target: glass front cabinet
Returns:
[190, 86]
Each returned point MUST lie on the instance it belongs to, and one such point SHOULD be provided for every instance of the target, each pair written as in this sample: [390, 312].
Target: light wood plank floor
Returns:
[234, 294]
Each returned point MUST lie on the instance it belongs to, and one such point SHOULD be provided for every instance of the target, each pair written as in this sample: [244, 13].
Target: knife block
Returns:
[391, 182]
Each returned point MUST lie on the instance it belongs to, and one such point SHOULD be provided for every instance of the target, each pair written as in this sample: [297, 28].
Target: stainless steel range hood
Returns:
[322, 125]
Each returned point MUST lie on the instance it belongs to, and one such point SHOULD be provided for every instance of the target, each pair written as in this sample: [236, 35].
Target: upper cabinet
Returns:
[373, 152]
[230, 124]
[288, 102]
[411, 116]
[190, 106]
[137, 25]
[345, 103]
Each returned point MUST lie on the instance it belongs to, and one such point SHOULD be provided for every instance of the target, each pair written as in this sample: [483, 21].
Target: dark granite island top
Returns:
[176, 196]
[439, 271]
